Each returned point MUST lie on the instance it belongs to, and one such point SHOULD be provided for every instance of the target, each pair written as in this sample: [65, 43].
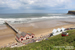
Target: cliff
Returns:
[71, 12]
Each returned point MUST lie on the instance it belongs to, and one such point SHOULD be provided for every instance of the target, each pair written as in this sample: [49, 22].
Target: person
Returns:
[41, 36]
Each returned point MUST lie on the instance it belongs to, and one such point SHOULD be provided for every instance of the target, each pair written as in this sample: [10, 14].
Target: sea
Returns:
[32, 17]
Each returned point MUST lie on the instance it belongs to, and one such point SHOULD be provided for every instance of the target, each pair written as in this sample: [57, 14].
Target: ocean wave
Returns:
[27, 20]
[55, 14]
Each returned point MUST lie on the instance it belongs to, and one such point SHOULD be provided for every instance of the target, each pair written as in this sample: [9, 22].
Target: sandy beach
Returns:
[7, 35]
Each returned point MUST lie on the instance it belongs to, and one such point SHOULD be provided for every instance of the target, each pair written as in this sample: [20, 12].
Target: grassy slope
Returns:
[49, 44]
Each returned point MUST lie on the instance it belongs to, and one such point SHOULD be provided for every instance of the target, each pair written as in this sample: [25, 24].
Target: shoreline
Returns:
[37, 28]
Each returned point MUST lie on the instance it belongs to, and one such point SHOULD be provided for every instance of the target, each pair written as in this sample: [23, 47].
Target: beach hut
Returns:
[59, 30]
[64, 34]
[24, 36]
[54, 31]
[31, 35]
[19, 37]
[27, 35]
[62, 29]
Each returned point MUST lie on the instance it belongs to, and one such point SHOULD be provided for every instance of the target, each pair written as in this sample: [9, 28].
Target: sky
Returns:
[36, 6]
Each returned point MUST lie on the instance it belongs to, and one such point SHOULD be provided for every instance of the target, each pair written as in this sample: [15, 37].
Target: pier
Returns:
[13, 28]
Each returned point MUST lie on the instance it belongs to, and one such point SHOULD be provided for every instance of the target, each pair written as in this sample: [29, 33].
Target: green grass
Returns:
[49, 44]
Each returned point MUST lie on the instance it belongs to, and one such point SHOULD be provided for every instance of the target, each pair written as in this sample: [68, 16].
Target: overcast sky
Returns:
[36, 6]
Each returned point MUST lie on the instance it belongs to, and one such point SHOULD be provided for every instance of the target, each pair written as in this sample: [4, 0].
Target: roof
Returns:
[23, 34]
[29, 33]
[58, 29]
[54, 30]
[18, 36]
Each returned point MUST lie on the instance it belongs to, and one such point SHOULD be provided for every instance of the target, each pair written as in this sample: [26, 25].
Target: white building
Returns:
[54, 31]
[63, 29]
[59, 30]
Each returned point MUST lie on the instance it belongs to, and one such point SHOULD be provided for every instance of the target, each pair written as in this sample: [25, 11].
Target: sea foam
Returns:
[27, 20]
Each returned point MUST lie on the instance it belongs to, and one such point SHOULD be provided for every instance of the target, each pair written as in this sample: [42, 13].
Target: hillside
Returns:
[51, 43]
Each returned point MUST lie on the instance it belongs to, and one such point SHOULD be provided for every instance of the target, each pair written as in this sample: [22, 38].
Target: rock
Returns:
[71, 12]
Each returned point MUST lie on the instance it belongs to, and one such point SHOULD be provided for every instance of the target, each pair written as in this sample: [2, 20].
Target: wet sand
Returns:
[7, 35]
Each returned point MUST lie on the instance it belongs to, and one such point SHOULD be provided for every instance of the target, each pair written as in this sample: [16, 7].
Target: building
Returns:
[54, 31]
[58, 30]
[24, 36]
[62, 29]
